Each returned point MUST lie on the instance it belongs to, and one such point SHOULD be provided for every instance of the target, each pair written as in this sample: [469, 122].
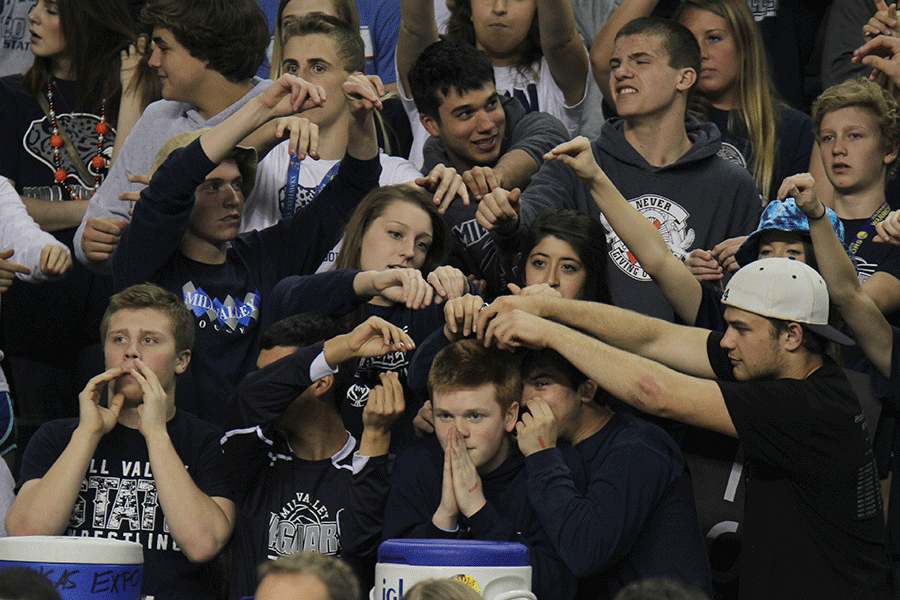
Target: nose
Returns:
[484, 122]
[553, 277]
[499, 7]
[155, 58]
[32, 15]
[133, 349]
[620, 72]
[233, 196]
[837, 147]
[462, 427]
[728, 339]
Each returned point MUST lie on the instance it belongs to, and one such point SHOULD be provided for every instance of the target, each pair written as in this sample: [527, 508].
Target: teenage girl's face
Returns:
[315, 58]
[399, 238]
[46, 32]
[501, 27]
[721, 62]
[556, 263]
[781, 244]
[295, 9]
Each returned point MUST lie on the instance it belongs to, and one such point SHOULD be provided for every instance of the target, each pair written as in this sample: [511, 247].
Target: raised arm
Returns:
[643, 240]
[418, 29]
[871, 329]
[562, 46]
[602, 48]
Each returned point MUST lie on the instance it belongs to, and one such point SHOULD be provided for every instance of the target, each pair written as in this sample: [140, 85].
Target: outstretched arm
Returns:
[563, 48]
[645, 384]
[676, 346]
[643, 240]
[871, 329]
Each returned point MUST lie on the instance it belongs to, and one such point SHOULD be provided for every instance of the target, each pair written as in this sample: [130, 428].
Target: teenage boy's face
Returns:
[145, 334]
[477, 416]
[550, 385]
[218, 205]
[642, 81]
[853, 151]
[179, 72]
[315, 59]
[471, 126]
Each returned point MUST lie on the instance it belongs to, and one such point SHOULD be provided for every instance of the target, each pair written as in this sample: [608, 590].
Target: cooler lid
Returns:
[453, 553]
[71, 550]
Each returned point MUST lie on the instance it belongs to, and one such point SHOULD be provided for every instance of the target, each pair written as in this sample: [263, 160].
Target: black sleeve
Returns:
[718, 357]
[363, 522]
[259, 400]
[160, 217]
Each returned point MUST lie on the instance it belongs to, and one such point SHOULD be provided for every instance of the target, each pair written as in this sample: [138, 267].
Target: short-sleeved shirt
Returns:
[118, 497]
[814, 526]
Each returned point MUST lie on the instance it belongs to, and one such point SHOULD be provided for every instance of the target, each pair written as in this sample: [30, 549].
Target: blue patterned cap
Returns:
[782, 215]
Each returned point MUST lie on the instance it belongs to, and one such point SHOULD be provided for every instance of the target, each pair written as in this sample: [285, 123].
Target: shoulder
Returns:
[191, 428]
[634, 435]
[791, 119]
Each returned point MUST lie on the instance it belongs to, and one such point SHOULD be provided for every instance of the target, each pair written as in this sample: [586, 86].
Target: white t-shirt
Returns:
[262, 207]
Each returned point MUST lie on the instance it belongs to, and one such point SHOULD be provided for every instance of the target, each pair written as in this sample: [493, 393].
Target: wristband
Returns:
[824, 211]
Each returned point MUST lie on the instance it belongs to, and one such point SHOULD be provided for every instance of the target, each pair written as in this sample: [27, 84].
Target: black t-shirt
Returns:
[813, 526]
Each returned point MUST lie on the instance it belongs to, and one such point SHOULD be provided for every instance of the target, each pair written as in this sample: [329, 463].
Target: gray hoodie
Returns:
[695, 202]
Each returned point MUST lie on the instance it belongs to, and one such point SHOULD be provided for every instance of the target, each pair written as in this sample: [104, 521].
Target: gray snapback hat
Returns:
[787, 289]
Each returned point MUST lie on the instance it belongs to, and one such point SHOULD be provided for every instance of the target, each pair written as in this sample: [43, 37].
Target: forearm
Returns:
[362, 141]
[417, 30]
[199, 525]
[54, 216]
[602, 48]
[645, 384]
[44, 506]
[516, 168]
[859, 311]
[131, 107]
[643, 240]
[563, 48]
[219, 141]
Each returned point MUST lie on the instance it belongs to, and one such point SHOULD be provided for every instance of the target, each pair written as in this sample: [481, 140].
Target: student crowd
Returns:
[408, 282]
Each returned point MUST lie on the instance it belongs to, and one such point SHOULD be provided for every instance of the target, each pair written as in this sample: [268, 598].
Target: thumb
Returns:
[7, 253]
[514, 196]
[516, 290]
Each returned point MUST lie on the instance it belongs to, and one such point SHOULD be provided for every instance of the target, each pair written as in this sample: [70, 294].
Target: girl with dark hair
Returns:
[567, 250]
[390, 266]
[55, 148]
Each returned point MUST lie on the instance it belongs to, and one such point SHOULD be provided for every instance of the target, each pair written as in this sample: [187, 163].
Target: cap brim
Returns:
[830, 333]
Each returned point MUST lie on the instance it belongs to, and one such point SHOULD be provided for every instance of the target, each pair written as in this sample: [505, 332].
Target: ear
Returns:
[793, 337]
[321, 386]
[512, 415]
[586, 391]
[182, 361]
[686, 78]
[891, 154]
[430, 124]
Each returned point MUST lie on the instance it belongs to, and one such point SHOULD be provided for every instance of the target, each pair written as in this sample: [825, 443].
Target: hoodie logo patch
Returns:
[730, 153]
[668, 217]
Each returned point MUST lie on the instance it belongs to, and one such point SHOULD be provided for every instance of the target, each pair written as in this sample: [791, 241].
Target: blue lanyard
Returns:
[869, 228]
[292, 185]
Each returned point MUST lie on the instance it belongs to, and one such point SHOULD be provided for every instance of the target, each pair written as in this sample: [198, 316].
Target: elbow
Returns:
[204, 550]
[650, 397]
